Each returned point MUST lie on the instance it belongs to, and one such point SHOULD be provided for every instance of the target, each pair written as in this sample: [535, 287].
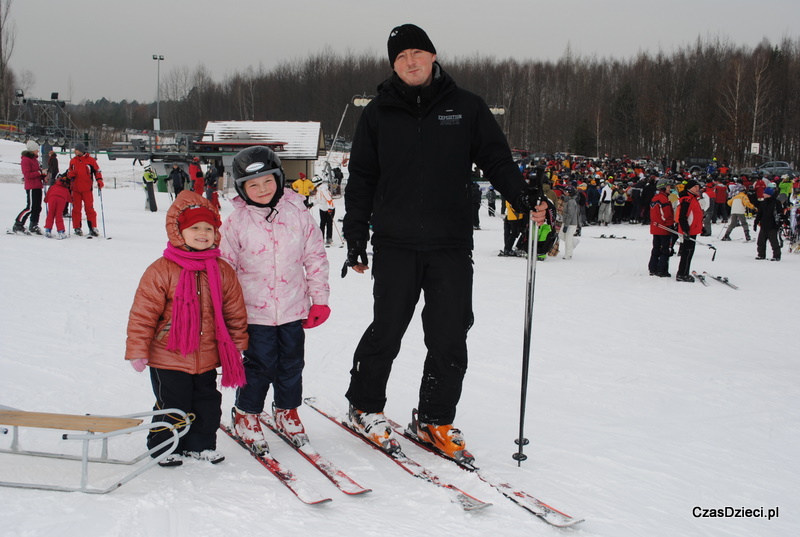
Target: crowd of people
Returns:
[678, 205]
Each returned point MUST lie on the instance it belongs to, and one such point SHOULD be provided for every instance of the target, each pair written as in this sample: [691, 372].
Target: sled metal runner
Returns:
[97, 428]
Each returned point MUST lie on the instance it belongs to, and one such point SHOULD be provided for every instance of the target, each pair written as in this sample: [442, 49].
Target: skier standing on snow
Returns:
[327, 210]
[661, 214]
[83, 171]
[191, 286]
[211, 181]
[689, 217]
[739, 203]
[33, 177]
[569, 221]
[57, 199]
[178, 177]
[417, 138]
[276, 248]
[196, 176]
[768, 219]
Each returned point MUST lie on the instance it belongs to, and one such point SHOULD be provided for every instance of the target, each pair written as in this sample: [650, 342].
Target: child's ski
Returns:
[342, 481]
[305, 493]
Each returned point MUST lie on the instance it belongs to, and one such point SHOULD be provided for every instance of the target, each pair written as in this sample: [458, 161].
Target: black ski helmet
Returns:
[255, 162]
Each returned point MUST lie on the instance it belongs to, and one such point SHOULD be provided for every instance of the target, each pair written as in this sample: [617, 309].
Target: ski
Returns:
[720, 279]
[457, 496]
[342, 481]
[623, 238]
[548, 514]
[306, 494]
[700, 277]
[10, 231]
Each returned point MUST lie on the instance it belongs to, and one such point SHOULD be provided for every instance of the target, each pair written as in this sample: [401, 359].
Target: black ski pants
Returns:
[770, 235]
[400, 276]
[33, 208]
[686, 252]
[195, 394]
[659, 255]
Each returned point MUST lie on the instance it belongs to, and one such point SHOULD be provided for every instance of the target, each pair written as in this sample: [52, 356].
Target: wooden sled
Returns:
[95, 428]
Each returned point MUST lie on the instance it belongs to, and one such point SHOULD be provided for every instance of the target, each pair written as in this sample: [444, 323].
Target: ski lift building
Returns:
[297, 143]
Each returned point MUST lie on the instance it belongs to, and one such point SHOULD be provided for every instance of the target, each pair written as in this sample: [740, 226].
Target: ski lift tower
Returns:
[45, 120]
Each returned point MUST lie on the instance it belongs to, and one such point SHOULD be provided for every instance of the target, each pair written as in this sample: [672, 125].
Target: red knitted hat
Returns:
[193, 215]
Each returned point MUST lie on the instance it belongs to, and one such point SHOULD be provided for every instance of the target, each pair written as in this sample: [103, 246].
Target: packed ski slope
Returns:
[649, 400]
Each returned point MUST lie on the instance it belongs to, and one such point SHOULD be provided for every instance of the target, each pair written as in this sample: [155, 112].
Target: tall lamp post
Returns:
[356, 100]
[157, 122]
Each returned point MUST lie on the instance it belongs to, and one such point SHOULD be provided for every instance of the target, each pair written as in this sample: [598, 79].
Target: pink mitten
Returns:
[317, 315]
[139, 364]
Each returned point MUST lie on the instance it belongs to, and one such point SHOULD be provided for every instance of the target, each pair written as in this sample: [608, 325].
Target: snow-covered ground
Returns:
[648, 398]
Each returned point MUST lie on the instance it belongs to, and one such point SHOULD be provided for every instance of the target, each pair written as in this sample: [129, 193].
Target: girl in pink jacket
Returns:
[34, 183]
[276, 248]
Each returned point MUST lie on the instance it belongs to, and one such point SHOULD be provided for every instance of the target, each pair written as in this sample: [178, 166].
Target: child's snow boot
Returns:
[248, 428]
[48, 233]
[288, 422]
[210, 455]
[62, 235]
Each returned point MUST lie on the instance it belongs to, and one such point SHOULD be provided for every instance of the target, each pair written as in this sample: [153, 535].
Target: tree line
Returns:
[708, 99]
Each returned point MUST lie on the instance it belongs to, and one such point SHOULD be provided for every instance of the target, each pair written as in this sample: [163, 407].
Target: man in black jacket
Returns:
[410, 175]
[768, 219]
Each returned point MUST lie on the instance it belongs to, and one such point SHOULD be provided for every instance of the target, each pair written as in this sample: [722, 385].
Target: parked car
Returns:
[776, 168]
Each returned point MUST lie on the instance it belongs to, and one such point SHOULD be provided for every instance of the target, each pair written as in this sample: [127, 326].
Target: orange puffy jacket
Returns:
[150, 317]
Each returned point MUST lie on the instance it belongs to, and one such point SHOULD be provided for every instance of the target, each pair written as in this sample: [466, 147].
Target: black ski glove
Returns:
[526, 201]
[355, 250]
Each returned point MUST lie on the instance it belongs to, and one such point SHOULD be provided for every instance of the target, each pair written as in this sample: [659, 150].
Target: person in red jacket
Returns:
[196, 175]
[83, 170]
[33, 177]
[57, 198]
[689, 217]
[661, 215]
[720, 203]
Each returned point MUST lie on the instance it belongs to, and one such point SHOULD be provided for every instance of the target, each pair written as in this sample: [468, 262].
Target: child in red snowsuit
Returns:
[57, 198]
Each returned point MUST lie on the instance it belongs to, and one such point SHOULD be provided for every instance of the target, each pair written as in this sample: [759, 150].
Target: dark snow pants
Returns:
[274, 356]
[686, 252]
[401, 275]
[196, 394]
[659, 255]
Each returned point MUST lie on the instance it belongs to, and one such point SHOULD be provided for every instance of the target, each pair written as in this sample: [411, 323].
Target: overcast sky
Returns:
[88, 49]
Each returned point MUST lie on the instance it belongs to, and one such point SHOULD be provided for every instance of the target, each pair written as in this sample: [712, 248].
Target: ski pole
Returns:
[530, 283]
[678, 233]
[102, 212]
[338, 232]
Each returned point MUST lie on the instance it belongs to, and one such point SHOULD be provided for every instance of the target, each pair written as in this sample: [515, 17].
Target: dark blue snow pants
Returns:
[274, 356]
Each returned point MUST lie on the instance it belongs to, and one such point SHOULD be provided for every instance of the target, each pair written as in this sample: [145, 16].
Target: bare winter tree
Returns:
[8, 35]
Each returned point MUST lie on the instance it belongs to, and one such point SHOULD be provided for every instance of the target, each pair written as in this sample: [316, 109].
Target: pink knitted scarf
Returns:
[184, 335]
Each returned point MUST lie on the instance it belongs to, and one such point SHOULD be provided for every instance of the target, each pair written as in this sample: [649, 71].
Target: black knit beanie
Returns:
[405, 37]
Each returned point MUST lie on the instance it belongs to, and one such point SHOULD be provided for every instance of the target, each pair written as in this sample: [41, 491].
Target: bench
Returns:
[94, 428]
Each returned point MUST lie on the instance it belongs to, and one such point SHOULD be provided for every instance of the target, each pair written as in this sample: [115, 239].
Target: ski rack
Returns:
[96, 428]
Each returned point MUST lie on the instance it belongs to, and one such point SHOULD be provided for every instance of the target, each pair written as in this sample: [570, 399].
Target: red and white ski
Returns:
[552, 516]
[305, 493]
[342, 481]
[458, 496]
